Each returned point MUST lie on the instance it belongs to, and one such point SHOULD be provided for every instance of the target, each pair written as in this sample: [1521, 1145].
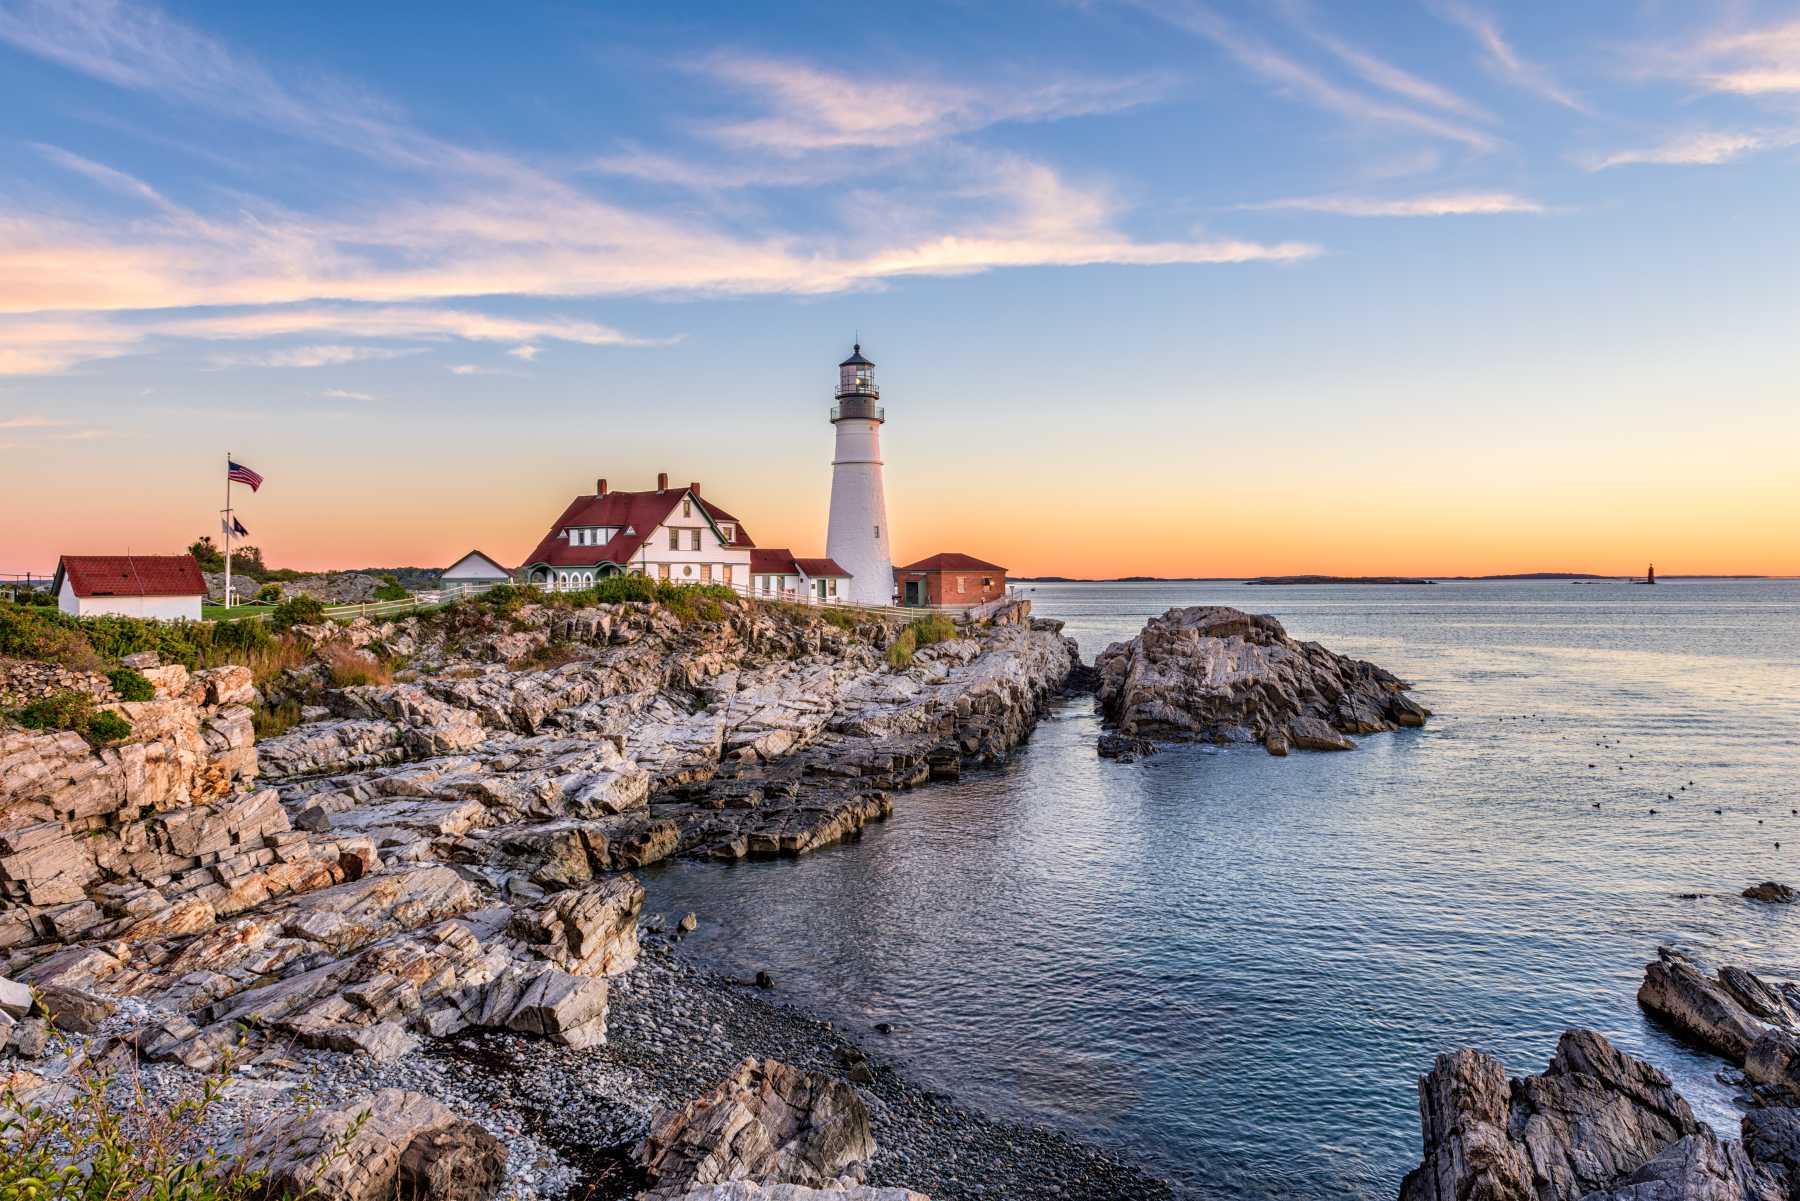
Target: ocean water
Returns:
[1234, 967]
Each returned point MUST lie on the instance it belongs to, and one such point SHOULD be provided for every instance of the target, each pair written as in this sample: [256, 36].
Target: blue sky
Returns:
[1292, 267]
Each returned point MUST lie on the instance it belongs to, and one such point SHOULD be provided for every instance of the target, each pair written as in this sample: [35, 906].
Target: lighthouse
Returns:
[857, 536]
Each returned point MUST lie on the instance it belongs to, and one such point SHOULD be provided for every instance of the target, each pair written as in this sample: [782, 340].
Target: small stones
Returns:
[764, 980]
[688, 923]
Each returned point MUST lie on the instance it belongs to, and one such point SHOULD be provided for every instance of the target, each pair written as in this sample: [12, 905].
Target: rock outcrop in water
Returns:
[1735, 1013]
[1597, 1125]
[1215, 674]
[448, 851]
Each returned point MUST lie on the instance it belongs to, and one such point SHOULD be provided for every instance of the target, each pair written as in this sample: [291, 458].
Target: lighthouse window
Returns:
[878, 531]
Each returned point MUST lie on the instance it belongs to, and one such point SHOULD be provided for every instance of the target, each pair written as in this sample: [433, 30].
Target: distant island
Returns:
[1338, 579]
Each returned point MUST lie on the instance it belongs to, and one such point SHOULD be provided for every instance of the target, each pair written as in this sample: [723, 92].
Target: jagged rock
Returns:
[1772, 1138]
[1699, 1167]
[767, 1123]
[1125, 748]
[15, 998]
[589, 931]
[1773, 1063]
[1590, 1120]
[1677, 992]
[72, 1010]
[393, 1146]
[1220, 675]
[1771, 893]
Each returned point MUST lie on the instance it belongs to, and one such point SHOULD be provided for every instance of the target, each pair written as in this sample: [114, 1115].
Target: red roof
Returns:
[130, 575]
[779, 560]
[952, 561]
[637, 512]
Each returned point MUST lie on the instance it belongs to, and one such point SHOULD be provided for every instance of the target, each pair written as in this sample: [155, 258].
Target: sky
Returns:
[1165, 287]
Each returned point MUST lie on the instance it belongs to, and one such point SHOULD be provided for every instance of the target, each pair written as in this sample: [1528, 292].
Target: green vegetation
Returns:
[296, 611]
[277, 719]
[269, 593]
[843, 619]
[390, 590]
[108, 1138]
[921, 631]
[74, 710]
[349, 668]
[238, 612]
[130, 684]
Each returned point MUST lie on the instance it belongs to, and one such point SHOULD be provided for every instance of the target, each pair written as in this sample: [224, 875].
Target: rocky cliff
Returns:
[1214, 674]
[446, 847]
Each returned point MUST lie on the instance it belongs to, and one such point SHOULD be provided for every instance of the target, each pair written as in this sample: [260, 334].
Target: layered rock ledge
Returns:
[1215, 674]
[442, 843]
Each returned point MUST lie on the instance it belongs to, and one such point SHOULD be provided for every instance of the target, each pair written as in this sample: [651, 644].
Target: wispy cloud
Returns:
[1751, 62]
[1703, 149]
[1499, 56]
[1376, 71]
[1294, 78]
[1451, 204]
[456, 223]
[814, 109]
[311, 356]
[464, 369]
[527, 353]
[345, 394]
[31, 423]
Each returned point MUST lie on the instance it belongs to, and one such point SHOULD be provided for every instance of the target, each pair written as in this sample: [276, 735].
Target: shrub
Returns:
[843, 619]
[297, 611]
[130, 685]
[505, 599]
[277, 719]
[73, 710]
[349, 668]
[900, 651]
[934, 627]
[106, 1137]
[390, 589]
[269, 594]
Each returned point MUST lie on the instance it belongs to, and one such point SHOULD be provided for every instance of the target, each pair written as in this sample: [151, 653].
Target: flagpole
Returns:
[228, 529]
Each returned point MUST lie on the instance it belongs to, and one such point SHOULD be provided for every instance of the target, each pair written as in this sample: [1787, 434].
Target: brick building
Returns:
[949, 581]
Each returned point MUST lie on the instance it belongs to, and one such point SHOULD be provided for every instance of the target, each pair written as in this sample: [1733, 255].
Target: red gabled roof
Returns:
[130, 575]
[773, 560]
[952, 561]
[779, 560]
[634, 514]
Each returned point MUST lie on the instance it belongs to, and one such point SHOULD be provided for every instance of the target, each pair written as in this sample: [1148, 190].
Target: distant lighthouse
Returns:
[858, 537]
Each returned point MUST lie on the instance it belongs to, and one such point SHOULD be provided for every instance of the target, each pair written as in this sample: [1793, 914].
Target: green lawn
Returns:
[212, 612]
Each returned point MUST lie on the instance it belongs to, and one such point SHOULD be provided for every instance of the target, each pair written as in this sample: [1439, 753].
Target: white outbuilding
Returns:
[473, 570]
[164, 587]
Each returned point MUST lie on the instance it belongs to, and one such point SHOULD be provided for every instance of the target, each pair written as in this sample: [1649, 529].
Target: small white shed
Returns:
[164, 587]
[474, 570]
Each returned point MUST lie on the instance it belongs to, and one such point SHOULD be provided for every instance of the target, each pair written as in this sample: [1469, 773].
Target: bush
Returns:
[130, 684]
[348, 668]
[297, 611]
[112, 1138]
[390, 590]
[73, 710]
[843, 619]
[505, 599]
[921, 631]
[269, 594]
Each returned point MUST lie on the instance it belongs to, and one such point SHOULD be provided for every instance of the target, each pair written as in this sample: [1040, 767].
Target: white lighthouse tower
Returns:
[858, 536]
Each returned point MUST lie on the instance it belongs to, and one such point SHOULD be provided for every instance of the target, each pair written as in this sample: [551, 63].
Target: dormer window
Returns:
[726, 531]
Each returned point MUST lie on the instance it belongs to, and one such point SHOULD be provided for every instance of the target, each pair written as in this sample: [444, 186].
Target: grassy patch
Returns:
[257, 609]
[72, 710]
[349, 668]
[277, 719]
[921, 631]
[130, 685]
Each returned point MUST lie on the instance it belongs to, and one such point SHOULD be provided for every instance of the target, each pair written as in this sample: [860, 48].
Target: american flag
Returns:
[243, 475]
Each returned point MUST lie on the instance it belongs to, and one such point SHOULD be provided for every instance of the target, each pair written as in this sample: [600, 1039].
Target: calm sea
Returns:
[1235, 967]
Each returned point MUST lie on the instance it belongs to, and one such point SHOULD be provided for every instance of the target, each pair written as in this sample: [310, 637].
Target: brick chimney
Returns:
[662, 481]
[599, 487]
[694, 487]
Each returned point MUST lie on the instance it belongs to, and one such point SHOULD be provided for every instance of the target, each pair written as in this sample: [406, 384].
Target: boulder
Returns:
[1702, 1009]
[71, 1010]
[1699, 1167]
[1594, 1117]
[392, 1146]
[1773, 1065]
[15, 998]
[1772, 1138]
[767, 1123]
[1216, 674]
[1771, 893]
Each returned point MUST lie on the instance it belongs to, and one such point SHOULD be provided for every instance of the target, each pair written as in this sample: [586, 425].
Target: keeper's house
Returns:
[775, 574]
[473, 570]
[949, 581]
[165, 587]
[669, 534]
